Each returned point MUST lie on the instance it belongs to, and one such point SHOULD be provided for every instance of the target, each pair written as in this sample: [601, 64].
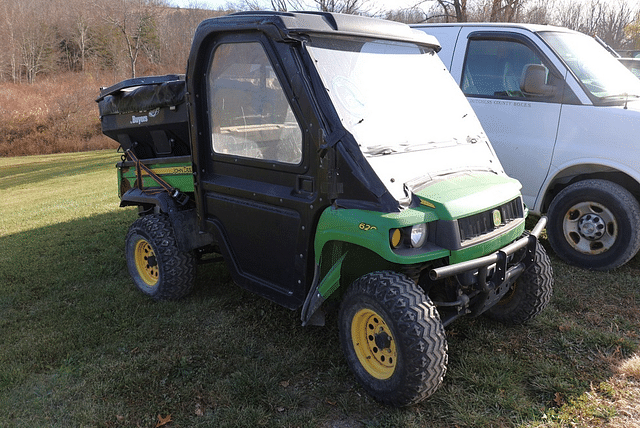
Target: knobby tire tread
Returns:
[419, 330]
[177, 268]
[532, 293]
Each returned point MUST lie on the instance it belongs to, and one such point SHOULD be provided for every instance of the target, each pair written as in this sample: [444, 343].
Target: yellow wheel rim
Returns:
[146, 263]
[374, 344]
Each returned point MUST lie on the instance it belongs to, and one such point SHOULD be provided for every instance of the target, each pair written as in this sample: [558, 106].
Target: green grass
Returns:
[80, 347]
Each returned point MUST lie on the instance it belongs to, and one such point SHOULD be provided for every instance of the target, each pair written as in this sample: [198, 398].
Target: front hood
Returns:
[466, 193]
[398, 169]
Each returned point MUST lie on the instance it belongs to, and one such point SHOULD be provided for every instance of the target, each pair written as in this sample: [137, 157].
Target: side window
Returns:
[497, 68]
[249, 112]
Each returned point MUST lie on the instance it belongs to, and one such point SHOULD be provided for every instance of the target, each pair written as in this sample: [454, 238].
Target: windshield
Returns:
[399, 101]
[600, 73]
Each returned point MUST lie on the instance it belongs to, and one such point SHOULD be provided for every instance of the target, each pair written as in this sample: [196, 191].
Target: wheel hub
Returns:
[383, 341]
[146, 263]
[374, 344]
[151, 261]
[591, 226]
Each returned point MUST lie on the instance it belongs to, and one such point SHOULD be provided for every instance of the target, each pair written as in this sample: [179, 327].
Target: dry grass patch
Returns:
[614, 403]
[627, 394]
[55, 115]
[631, 368]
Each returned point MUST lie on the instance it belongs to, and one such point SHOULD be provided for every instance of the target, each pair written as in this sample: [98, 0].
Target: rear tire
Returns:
[156, 264]
[594, 224]
[530, 293]
[392, 338]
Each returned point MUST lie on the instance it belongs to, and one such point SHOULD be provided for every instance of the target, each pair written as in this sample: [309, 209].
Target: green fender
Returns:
[361, 229]
[370, 230]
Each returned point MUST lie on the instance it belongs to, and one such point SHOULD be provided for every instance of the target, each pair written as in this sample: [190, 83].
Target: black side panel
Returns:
[260, 258]
[158, 133]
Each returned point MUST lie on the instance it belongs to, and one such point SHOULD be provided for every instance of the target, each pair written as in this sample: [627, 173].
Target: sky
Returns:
[215, 4]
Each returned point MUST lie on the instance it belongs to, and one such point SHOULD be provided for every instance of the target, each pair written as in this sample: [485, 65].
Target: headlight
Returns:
[418, 235]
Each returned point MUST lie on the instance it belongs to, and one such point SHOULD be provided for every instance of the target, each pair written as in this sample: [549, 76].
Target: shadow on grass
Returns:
[81, 347]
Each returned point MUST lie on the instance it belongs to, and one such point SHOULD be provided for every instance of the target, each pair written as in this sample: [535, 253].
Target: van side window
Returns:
[496, 68]
[248, 110]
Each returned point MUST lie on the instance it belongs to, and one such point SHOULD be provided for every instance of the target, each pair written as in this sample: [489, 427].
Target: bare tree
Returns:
[497, 10]
[354, 7]
[409, 16]
[135, 20]
[606, 19]
[76, 31]
[453, 9]
[285, 5]
[539, 11]
[82, 37]
[176, 28]
[8, 53]
[35, 35]
[632, 33]
[439, 11]
[28, 39]
[615, 20]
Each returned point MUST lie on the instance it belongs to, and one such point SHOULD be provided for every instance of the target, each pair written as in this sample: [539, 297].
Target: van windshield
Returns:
[404, 109]
[600, 73]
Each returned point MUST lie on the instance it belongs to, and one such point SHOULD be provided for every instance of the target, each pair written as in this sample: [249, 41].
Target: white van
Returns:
[564, 117]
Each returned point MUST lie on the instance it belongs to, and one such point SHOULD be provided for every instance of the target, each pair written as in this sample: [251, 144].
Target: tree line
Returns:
[45, 37]
[132, 37]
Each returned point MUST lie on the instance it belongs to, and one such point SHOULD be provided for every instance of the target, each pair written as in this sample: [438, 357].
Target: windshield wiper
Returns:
[623, 96]
[380, 150]
[406, 147]
[431, 145]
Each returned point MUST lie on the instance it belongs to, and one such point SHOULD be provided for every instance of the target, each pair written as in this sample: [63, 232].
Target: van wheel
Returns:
[392, 338]
[156, 264]
[594, 224]
[529, 294]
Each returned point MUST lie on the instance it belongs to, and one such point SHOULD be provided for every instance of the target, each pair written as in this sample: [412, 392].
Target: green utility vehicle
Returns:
[328, 157]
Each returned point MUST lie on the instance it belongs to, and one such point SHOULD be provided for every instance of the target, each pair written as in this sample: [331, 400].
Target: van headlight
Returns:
[419, 235]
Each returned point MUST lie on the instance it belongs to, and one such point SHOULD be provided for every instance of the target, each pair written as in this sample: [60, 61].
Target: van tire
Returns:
[157, 266]
[529, 294]
[392, 338]
[594, 224]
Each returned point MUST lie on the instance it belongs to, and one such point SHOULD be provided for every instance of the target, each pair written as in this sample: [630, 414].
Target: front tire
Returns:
[392, 338]
[529, 294]
[157, 266]
[594, 224]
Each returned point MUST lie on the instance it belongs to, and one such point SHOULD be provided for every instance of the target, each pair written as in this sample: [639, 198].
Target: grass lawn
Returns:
[80, 347]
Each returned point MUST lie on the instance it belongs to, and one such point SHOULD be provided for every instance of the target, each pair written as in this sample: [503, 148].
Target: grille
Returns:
[482, 223]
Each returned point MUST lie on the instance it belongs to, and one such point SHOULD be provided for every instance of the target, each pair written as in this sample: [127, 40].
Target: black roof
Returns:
[294, 24]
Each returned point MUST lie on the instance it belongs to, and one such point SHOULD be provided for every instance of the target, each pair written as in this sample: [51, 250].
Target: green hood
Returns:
[467, 193]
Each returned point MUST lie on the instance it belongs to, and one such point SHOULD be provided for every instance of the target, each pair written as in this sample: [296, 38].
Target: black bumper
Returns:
[500, 267]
